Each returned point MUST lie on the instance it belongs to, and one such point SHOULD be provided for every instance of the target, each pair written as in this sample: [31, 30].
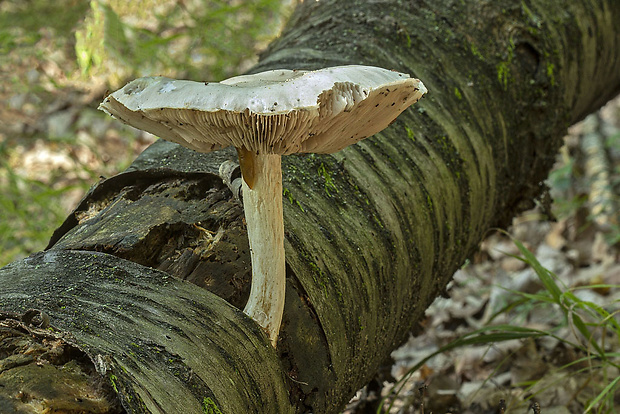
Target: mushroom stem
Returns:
[263, 214]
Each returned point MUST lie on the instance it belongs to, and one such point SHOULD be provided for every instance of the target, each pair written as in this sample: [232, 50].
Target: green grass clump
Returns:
[584, 318]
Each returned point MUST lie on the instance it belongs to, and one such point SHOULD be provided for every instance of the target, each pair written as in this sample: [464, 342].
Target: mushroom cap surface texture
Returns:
[275, 112]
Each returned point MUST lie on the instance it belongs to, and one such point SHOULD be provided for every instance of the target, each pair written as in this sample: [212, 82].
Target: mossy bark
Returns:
[373, 233]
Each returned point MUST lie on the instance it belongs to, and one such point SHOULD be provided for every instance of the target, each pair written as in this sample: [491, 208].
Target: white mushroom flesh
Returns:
[264, 116]
[275, 112]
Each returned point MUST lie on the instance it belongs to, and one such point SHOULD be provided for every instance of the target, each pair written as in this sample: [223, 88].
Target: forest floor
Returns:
[54, 144]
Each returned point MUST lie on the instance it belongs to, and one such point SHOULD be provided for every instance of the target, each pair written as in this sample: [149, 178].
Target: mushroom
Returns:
[264, 116]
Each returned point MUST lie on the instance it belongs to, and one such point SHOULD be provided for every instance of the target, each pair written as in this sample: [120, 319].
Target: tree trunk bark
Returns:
[373, 233]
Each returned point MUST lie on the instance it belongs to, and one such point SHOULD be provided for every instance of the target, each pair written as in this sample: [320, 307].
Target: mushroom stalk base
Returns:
[263, 215]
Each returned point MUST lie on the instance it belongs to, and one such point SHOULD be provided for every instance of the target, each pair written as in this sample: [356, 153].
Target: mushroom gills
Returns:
[247, 165]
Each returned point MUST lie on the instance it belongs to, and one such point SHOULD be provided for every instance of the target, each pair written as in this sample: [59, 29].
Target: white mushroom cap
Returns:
[274, 112]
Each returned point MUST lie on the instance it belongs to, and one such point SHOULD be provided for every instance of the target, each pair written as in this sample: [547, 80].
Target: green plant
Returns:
[29, 213]
[587, 179]
[583, 317]
[207, 40]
